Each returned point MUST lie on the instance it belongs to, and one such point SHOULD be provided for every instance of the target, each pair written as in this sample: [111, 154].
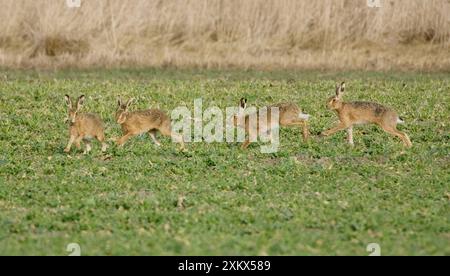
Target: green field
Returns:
[316, 198]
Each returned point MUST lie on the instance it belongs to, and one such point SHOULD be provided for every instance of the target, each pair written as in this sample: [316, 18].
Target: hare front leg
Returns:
[101, 139]
[305, 131]
[123, 139]
[69, 145]
[350, 136]
[339, 127]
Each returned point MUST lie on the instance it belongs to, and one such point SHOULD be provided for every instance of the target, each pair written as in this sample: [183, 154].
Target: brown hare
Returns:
[144, 121]
[289, 115]
[83, 126]
[357, 113]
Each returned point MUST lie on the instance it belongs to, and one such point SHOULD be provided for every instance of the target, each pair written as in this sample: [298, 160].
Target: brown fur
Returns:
[83, 126]
[356, 113]
[138, 122]
[288, 116]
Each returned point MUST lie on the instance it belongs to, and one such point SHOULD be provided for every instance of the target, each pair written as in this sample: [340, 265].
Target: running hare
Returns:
[289, 115]
[83, 126]
[139, 122]
[357, 113]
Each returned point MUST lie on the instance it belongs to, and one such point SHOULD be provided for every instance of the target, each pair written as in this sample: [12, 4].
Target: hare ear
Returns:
[119, 102]
[243, 103]
[130, 101]
[80, 102]
[340, 89]
[68, 101]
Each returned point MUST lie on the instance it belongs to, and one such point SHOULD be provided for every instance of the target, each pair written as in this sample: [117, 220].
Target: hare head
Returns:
[122, 110]
[74, 110]
[335, 102]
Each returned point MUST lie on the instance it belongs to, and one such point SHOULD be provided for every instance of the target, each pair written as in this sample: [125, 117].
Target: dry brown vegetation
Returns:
[263, 34]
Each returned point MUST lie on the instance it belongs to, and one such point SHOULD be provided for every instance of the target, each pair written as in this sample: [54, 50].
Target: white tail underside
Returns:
[304, 116]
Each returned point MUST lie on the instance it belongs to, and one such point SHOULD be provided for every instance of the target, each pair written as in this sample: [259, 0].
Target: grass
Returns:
[316, 198]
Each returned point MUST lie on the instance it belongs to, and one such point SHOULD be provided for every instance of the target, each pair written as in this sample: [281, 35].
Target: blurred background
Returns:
[257, 34]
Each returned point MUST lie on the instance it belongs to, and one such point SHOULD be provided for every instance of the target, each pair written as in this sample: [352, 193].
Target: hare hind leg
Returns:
[305, 127]
[166, 131]
[252, 133]
[152, 134]
[101, 139]
[246, 143]
[88, 147]
[78, 141]
[394, 131]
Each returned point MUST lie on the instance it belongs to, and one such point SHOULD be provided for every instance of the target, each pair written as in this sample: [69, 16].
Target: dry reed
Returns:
[263, 34]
